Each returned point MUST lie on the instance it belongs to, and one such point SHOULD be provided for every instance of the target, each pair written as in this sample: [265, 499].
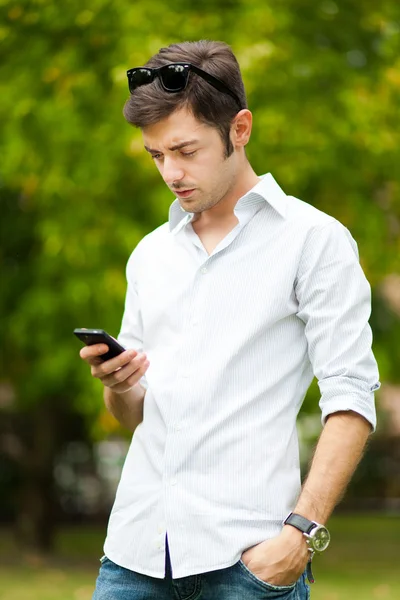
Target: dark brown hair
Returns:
[151, 103]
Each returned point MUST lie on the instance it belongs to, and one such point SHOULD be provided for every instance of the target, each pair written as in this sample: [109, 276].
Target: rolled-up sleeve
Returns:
[131, 332]
[334, 299]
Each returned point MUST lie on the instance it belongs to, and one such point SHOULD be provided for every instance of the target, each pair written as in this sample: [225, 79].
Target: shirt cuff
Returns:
[362, 405]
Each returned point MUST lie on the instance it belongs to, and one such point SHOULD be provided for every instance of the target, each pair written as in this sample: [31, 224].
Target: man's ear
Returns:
[241, 128]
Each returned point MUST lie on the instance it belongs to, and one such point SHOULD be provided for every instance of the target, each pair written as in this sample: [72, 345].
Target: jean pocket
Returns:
[276, 590]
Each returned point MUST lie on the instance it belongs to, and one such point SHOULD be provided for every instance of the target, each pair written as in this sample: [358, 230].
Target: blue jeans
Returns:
[232, 583]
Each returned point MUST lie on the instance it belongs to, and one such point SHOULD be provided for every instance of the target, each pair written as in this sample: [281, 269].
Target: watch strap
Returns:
[309, 572]
[305, 526]
[300, 523]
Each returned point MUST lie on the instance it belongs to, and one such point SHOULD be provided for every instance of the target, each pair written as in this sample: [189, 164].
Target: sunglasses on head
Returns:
[174, 78]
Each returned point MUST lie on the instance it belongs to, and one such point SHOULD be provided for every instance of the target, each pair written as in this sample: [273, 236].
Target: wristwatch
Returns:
[318, 537]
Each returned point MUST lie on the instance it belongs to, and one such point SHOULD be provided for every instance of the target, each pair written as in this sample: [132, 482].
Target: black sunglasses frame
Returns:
[187, 67]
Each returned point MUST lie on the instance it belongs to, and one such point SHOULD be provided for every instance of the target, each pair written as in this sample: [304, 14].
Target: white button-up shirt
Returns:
[234, 339]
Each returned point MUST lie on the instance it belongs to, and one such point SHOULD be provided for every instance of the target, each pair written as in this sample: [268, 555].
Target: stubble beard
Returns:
[203, 204]
[213, 197]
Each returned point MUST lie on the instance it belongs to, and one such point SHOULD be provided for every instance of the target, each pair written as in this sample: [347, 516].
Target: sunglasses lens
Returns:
[138, 77]
[174, 77]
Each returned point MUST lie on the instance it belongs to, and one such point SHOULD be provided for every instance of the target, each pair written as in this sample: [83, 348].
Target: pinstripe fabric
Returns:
[233, 340]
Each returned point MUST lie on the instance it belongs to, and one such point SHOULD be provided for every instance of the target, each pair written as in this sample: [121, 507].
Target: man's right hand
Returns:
[121, 373]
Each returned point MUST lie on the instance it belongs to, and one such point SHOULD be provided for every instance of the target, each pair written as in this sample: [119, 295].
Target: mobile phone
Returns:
[99, 336]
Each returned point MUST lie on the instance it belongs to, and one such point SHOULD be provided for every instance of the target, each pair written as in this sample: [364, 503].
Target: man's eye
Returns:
[189, 153]
[156, 156]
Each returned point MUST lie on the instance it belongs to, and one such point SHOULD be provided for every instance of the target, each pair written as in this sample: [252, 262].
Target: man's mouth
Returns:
[184, 193]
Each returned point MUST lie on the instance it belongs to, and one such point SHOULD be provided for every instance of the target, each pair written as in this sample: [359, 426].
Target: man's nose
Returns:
[171, 171]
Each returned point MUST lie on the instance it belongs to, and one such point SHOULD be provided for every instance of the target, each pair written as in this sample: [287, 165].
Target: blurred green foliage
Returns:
[78, 191]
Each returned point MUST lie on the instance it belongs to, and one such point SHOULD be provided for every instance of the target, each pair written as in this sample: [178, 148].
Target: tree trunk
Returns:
[36, 505]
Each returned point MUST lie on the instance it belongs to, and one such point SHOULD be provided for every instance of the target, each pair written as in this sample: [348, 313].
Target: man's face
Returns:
[191, 159]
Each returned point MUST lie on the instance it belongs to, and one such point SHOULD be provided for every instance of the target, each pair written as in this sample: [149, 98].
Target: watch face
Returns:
[320, 538]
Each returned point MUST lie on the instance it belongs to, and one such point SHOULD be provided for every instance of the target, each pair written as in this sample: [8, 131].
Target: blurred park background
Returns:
[77, 194]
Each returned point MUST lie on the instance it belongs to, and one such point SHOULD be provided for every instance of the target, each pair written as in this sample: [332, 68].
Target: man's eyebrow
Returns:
[176, 147]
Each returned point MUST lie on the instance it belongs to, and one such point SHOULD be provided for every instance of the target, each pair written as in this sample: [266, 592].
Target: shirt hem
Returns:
[144, 571]
[205, 569]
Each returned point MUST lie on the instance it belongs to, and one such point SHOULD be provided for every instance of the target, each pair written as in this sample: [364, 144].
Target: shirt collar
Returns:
[266, 190]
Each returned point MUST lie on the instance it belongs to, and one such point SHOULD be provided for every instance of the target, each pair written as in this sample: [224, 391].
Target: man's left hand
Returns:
[280, 560]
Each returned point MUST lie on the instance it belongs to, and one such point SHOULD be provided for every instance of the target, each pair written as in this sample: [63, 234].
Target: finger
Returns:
[132, 380]
[125, 372]
[110, 366]
[90, 352]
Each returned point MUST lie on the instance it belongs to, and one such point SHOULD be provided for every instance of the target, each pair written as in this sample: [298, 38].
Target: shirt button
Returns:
[174, 481]
[178, 427]
[204, 270]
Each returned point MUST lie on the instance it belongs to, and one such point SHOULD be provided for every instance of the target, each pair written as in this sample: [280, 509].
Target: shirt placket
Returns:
[186, 363]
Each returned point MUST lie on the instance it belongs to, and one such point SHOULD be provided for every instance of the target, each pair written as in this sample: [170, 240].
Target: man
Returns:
[232, 306]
